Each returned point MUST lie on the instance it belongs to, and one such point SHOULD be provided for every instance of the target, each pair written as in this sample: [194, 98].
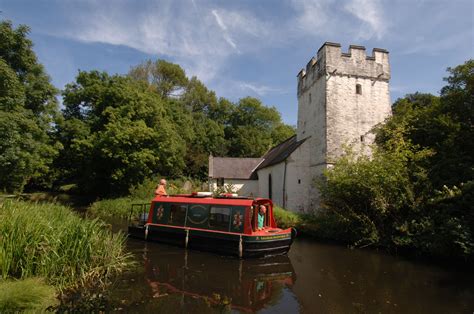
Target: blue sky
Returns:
[247, 48]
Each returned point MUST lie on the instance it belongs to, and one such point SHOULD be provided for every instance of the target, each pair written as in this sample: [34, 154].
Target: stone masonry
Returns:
[341, 97]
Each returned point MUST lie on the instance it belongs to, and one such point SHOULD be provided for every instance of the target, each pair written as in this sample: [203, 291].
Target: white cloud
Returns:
[312, 15]
[371, 13]
[224, 29]
[260, 90]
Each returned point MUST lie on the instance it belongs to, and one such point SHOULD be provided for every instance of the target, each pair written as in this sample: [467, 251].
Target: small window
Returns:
[358, 89]
[177, 215]
[220, 182]
[362, 138]
[299, 181]
[270, 186]
[309, 97]
[219, 218]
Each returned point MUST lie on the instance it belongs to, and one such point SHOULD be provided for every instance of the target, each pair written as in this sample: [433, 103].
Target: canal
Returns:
[313, 278]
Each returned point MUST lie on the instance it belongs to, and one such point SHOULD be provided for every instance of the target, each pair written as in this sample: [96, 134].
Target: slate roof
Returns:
[280, 152]
[233, 168]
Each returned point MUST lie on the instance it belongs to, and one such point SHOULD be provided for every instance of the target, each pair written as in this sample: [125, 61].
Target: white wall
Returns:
[277, 172]
[243, 187]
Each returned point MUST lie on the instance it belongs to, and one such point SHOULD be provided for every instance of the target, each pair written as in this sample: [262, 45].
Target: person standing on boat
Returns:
[161, 189]
[261, 217]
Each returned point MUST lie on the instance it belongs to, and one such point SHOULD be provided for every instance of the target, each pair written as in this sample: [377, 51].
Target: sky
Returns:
[247, 48]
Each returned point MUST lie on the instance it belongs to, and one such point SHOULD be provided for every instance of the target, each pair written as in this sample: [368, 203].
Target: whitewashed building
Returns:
[341, 97]
[237, 174]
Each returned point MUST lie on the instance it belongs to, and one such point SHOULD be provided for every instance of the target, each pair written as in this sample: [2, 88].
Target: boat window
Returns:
[197, 216]
[219, 218]
[177, 215]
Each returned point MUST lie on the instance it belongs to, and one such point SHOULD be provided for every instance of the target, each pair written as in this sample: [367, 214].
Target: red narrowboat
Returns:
[227, 224]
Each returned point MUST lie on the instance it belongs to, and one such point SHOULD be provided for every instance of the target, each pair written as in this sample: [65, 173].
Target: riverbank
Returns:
[49, 242]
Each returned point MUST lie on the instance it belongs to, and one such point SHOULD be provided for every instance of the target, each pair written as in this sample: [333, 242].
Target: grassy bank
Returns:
[51, 242]
[116, 207]
[308, 224]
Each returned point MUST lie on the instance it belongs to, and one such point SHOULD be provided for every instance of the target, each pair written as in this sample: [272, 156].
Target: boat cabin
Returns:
[227, 224]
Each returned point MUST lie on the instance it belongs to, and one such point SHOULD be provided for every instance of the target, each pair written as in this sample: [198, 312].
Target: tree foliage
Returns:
[162, 76]
[116, 132]
[28, 109]
[254, 129]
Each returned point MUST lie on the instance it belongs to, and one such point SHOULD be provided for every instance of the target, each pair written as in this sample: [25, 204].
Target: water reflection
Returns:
[195, 282]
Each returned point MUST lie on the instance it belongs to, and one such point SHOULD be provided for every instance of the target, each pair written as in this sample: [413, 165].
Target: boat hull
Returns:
[222, 243]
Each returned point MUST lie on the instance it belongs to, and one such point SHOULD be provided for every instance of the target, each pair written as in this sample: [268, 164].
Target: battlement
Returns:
[330, 61]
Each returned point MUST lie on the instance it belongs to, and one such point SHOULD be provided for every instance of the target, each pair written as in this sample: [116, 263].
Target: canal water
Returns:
[313, 278]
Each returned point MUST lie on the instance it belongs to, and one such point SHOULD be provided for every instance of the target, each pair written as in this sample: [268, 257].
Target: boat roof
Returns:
[190, 199]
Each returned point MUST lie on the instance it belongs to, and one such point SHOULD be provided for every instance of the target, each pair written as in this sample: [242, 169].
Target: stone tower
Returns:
[341, 96]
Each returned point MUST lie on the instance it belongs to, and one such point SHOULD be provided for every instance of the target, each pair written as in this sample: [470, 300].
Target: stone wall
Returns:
[341, 97]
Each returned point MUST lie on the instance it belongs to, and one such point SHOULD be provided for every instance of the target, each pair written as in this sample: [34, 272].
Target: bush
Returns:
[30, 294]
[367, 200]
[286, 219]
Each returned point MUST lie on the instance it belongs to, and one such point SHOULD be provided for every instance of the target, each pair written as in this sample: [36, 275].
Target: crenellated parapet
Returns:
[331, 61]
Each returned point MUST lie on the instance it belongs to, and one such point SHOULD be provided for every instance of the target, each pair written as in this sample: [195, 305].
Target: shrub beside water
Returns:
[52, 242]
[26, 295]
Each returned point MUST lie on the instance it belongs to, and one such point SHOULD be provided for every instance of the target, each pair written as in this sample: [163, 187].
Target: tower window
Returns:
[309, 97]
[358, 89]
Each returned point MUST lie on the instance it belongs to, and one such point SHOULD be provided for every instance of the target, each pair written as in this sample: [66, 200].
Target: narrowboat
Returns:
[227, 224]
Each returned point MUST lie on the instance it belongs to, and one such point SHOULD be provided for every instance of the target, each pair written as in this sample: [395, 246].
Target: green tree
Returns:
[164, 77]
[28, 110]
[117, 133]
[254, 129]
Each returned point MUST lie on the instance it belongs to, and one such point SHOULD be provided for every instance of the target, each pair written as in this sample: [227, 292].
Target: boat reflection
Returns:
[217, 281]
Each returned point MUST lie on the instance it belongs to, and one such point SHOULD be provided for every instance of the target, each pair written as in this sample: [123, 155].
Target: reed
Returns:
[116, 207]
[52, 242]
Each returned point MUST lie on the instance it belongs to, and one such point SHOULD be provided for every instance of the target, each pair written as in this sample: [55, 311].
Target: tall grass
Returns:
[50, 241]
[116, 208]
